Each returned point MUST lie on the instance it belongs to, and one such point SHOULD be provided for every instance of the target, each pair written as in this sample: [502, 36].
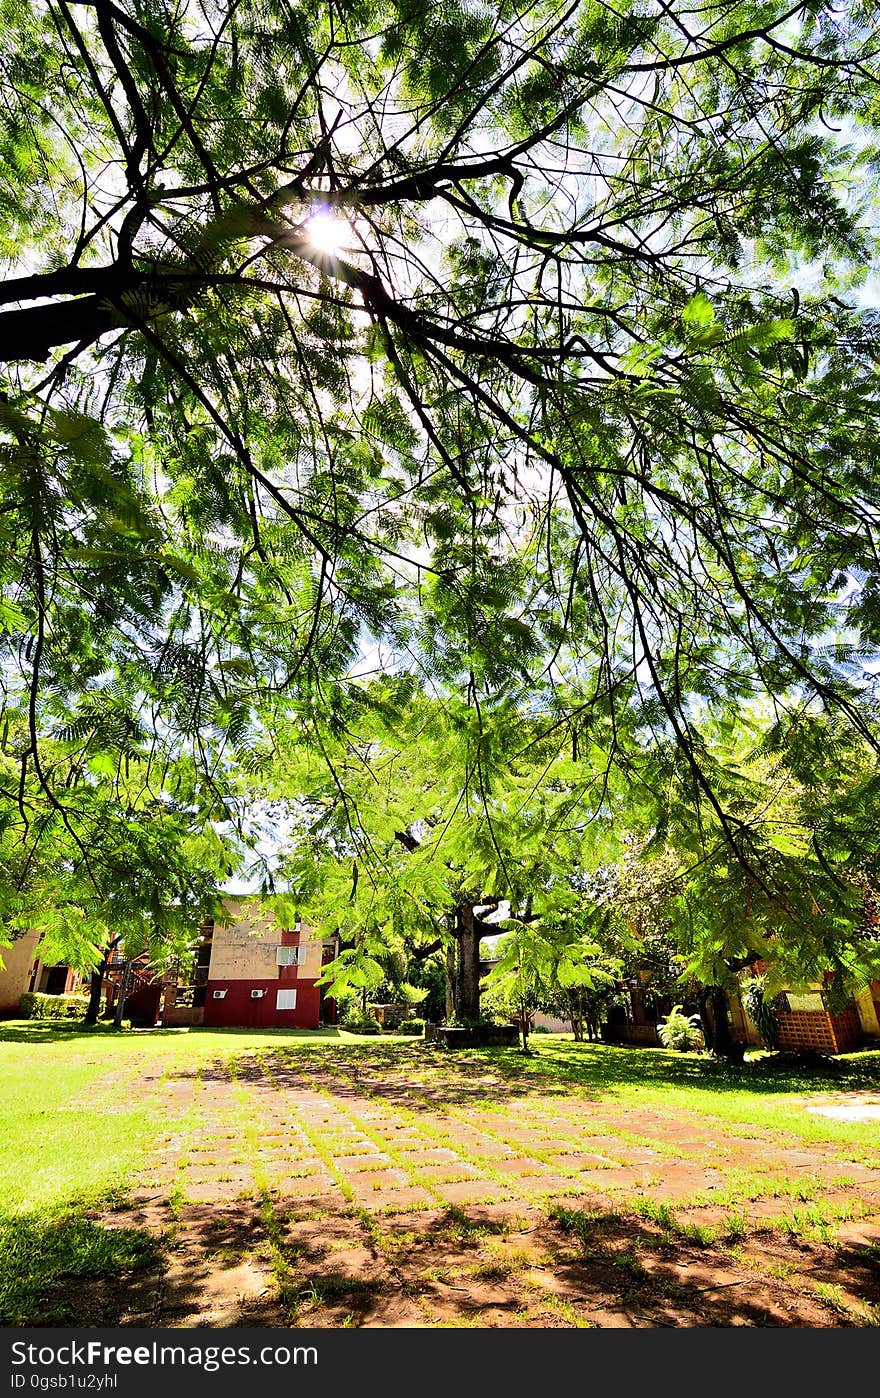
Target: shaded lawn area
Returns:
[238, 1177]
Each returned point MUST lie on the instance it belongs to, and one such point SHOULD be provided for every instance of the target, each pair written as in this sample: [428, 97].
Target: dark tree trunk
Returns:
[525, 1025]
[467, 980]
[576, 1017]
[96, 984]
[716, 1025]
[705, 1021]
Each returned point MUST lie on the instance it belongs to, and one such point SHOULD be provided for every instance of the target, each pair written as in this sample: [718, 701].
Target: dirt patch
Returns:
[847, 1107]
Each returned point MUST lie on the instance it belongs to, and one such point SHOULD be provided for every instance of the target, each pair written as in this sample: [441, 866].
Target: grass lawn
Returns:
[236, 1177]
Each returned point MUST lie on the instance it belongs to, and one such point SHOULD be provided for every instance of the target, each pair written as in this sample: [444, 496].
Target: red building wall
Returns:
[237, 1008]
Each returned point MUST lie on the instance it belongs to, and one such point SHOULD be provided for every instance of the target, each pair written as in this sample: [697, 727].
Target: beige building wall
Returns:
[245, 949]
[310, 966]
[17, 961]
[867, 1008]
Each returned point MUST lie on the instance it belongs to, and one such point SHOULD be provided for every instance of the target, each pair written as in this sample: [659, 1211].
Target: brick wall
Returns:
[819, 1029]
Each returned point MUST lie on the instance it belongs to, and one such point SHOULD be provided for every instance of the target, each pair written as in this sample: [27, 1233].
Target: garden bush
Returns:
[762, 1011]
[680, 1031]
[36, 1005]
[358, 1022]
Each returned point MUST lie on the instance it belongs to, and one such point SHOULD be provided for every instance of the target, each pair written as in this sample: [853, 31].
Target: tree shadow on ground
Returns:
[554, 1068]
[49, 1031]
[69, 1271]
[608, 1066]
[472, 1266]
[419, 1080]
[425, 1077]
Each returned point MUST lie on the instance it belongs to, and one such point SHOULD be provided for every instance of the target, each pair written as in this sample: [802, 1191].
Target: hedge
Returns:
[35, 1005]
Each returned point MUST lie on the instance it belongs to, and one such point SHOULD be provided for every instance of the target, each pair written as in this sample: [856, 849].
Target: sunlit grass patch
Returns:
[499, 1259]
[856, 1311]
[43, 1258]
[817, 1222]
[671, 1225]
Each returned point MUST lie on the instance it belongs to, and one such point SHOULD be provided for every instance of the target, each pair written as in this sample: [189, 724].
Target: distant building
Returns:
[24, 971]
[249, 973]
[254, 973]
[806, 1019]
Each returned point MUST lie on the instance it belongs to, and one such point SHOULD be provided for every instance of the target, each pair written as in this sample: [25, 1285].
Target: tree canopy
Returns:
[523, 340]
[422, 826]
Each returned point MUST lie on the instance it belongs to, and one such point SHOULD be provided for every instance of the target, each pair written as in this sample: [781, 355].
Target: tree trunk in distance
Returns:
[449, 969]
[96, 984]
[524, 1026]
[706, 1019]
[720, 1041]
[467, 980]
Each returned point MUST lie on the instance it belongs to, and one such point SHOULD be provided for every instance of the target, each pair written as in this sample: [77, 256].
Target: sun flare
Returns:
[328, 234]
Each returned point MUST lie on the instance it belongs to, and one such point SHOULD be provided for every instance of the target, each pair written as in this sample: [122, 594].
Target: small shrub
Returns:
[680, 1031]
[762, 1011]
[412, 1026]
[357, 1022]
[36, 1005]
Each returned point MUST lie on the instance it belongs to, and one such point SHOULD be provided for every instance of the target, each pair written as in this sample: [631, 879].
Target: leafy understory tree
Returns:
[807, 792]
[126, 860]
[538, 967]
[414, 828]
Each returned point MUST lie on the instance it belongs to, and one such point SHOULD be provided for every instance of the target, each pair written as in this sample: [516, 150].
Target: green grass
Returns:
[65, 1150]
[755, 1096]
[40, 1253]
[858, 1312]
[673, 1228]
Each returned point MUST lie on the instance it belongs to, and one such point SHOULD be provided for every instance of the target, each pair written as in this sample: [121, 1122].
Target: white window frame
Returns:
[285, 999]
[257, 994]
[289, 956]
[218, 994]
